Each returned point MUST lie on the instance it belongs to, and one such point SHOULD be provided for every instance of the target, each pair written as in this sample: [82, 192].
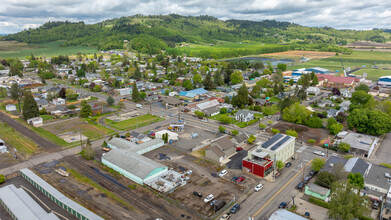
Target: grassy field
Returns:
[135, 122]
[373, 73]
[218, 118]
[10, 49]
[23, 144]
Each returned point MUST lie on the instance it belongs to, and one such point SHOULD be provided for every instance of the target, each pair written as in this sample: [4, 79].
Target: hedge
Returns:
[319, 202]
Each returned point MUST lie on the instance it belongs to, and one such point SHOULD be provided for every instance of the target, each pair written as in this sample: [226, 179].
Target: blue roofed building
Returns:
[384, 81]
[193, 93]
[318, 70]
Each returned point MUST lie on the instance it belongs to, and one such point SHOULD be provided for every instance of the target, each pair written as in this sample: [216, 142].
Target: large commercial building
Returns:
[126, 158]
[384, 81]
[259, 161]
[21, 206]
[361, 145]
[60, 199]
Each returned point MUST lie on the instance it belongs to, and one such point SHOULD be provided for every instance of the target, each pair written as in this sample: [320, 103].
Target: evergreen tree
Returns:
[62, 93]
[110, 100]
[227, 76]
[135, 93]
[16, 93]
[242, 98]
[16, 68]
[30, 107]
[208, 83]
[137, 73]
[315, 80]
[218, 79]
[85, 109]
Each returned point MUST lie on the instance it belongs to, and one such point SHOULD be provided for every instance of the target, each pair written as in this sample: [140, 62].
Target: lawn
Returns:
[22, 143]
[51, 137]
[245, 124]
[373, 73]
[46, 117]
[135, 122]
[218, 118]
[9, 49]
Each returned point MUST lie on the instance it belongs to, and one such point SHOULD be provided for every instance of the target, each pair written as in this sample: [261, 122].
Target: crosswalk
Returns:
[301, 149]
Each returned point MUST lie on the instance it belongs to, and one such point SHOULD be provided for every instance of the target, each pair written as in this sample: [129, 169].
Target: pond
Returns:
[261, 59]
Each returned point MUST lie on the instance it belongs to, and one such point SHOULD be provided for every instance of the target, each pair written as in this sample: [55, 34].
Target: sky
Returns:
[17, 15]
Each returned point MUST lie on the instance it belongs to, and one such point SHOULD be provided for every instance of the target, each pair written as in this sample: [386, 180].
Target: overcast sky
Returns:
[16, 15]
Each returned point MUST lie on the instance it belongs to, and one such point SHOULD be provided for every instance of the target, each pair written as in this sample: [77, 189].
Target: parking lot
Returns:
[187, 142]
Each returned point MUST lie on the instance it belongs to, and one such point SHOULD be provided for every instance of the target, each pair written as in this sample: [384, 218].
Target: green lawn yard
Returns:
[135, 122]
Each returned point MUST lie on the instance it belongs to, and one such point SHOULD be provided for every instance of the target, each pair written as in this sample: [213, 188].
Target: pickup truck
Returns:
[320, 153]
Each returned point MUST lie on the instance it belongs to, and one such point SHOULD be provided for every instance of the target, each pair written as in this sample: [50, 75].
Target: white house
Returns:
[58, 101]
[171, 135]
[3, 148]
[10, 108]
[36, 122]
[244, 115]
[172, 94]
[313, 90]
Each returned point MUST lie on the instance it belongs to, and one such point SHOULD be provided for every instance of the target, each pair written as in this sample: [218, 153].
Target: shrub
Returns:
[319, 202]
[262, 125]
[292, 133]
[223, 110]
[251, 139]
[344, 147]
[311, 141]
[222, 129]
[199, 113]
[275, 131]
[314, 122]
[269, 122]
[235, 132]
[2, 178]
[325, 179]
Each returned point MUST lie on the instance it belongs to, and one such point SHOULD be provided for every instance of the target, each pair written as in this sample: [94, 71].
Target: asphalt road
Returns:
[260, 205]
[383, 154]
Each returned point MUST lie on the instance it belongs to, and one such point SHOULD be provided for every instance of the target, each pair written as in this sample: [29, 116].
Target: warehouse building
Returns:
[126, 158]
[60, 199]
[21, 206]
[384, 81]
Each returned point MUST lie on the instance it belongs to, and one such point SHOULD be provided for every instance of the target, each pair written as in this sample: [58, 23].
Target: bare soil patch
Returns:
[301, 53]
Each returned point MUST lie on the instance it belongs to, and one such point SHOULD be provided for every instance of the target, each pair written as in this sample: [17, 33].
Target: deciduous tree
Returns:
[317, 164]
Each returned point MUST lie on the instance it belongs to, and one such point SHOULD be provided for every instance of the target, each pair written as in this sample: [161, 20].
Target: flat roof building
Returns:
[21, 206]
[361, 145]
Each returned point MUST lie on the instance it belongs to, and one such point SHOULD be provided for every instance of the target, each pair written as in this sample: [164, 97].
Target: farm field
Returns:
[12, 49]
[373, 73]
[135, 122]
[23, 144]
[297, 54]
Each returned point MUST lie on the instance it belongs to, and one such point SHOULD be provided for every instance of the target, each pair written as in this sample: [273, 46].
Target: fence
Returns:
[233, 200]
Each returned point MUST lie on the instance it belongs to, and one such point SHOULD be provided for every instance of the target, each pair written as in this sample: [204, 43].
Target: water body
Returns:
[261, 59]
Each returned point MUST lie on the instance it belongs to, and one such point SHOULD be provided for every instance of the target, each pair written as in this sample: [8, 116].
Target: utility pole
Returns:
[274, 167]
[179, 112]
[150, 108]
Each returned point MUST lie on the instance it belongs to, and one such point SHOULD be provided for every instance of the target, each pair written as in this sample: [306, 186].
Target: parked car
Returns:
[209, 198]
[225, 216]
[197, 194]
[240, 179]
[300, 185]
[312, 173]
[320, 153]
[234, 178]
[288, 164]
[239, 148]
[139, 105]
[223, 173]
[235, 208]
[213, 202]
[307, 179]
[375, 205]
[258, 187]
[307, 214]
[283, 205]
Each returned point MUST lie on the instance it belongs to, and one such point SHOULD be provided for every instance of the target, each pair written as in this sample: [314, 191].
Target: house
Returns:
[194, 93]
[58, 101]
[211, 111]
[260, 161]
[3, 148]
[361, 145]
[345, 93]
[42, 103]
[224, 89]
[171, 135]
[10, 107]
[241, 139]
[138, 137]
[330, 81]
[384, 81]
[172, 94]
[332, 113]
[352, 165]
[96, 109]
[261, 101]
[208, 104]
[377, 182]
[324, 103]
[244, 115]
[36, 122]
[345, 105]
[220, 149]
[231, 94]
[167, 100]
[316, 191]
[283, 214]
[313, 90]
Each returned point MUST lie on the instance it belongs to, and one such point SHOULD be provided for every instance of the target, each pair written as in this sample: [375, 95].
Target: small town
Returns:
[132, 134]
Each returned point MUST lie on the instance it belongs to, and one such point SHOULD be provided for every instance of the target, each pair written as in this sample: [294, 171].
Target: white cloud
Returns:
[16, 15]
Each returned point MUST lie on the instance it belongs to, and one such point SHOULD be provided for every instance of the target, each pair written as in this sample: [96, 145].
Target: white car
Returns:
[222, 173]
[225, 216]
[320, 153]
[139, 106]
[258, 187]
[209, 198]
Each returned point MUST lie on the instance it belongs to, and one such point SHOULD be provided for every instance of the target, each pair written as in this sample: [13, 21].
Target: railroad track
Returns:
[124, 193]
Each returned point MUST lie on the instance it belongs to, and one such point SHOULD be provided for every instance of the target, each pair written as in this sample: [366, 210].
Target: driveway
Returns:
[383, 154]
[236, 160]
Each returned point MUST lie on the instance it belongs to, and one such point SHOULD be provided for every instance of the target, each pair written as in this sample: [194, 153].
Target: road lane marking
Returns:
[301, 149]
[279, 191]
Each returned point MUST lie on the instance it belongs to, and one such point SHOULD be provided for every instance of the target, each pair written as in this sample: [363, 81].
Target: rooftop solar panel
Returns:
[272, 140]
[280, 143]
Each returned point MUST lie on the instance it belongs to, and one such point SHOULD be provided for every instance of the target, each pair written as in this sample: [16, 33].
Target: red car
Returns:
[240, 179]
[239, 148]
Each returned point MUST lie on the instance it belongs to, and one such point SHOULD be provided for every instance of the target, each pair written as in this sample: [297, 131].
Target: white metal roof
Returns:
[22, 205]
[50, 189]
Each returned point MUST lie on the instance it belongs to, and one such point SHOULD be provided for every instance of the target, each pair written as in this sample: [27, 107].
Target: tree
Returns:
[371, 122]
[341, 117]
[256, 90]
[251, 139]
[218, 79]
[110, 100]
[325, 179]
[236, 77]
[314, 122]
[187, 85]
[222, 129]
[242, 97]
[281, 66]
[2, 179]
[16, 68]
[292, 133]
[267, 72]
[197, 79]
[135, 93]
[362, 87]
[360, 99]
[279, 164]
[345, 147]
[346, 203]
[121, 105]
[225, 119]
[16, 93]
[234, 132]
[30, 107]
[81, 73]
[88, 152]
[275, 131]
[85, 109]
[223, 110]
[356, 179]
[208, 83]
[296, 113]
[317, 164]
[330, 122]
[336, 128]
[336, 91]
[97, 88]
[315, 80]
[104, 144]
[70, 94]
[291, 82]
[91, 86]
[61, 93]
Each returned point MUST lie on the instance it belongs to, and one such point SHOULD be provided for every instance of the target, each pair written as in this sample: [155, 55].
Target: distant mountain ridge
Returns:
[164, 31]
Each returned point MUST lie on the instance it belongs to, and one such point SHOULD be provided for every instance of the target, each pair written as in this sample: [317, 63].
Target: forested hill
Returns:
[162, 31]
